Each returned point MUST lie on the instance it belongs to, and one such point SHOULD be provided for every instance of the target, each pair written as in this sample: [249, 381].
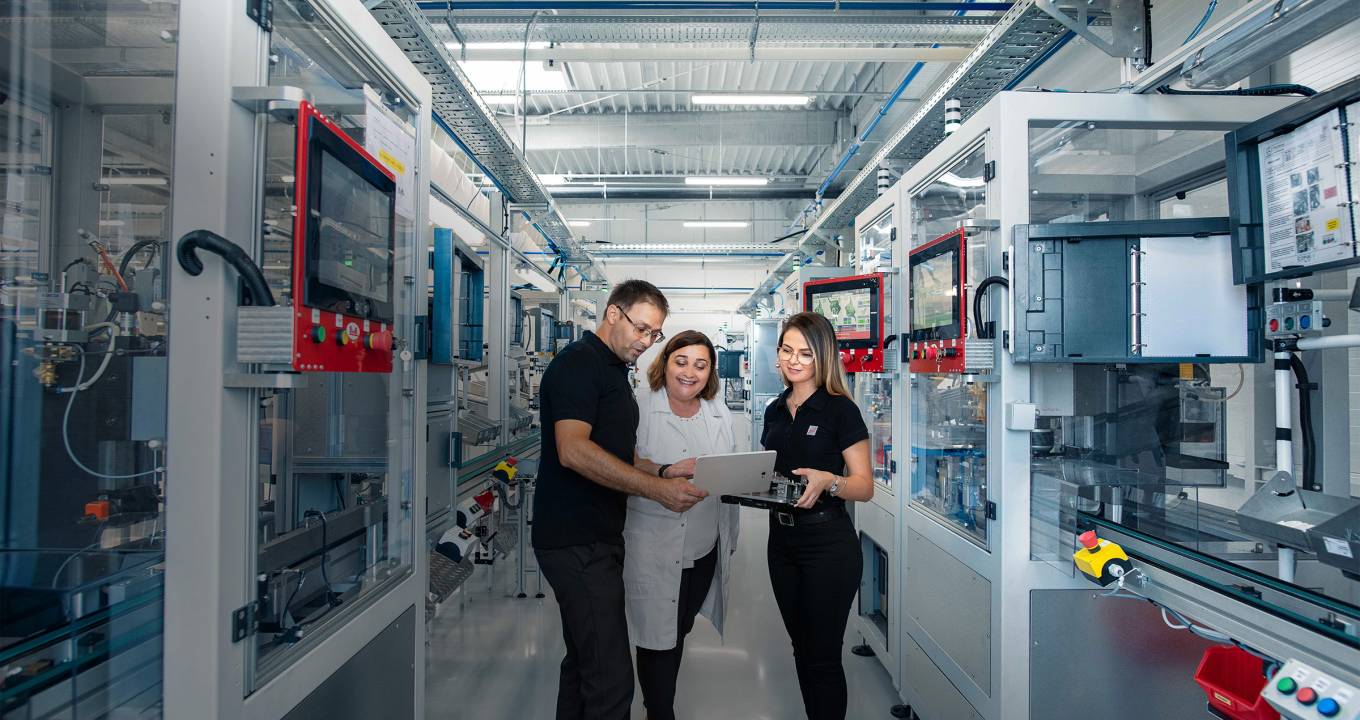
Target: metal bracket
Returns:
[991, 510]
[262, 12]
[245, 620]
[281, 101]
[457, 34]
[1080, 26]
[973, 226]
[989, 171]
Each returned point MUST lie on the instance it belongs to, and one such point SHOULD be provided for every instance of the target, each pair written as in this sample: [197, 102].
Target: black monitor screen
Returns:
[850, 311]
[355, 219]
[935, 291]
[350, 229]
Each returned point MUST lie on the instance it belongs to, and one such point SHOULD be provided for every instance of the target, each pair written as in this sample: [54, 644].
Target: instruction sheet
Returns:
[393, 143]
[1353, 166]
[1305, 196]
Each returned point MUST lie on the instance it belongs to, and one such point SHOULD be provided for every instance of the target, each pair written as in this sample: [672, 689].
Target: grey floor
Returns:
[498, 656]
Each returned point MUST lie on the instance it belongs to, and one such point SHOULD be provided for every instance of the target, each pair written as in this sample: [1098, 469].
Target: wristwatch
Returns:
[835, 485]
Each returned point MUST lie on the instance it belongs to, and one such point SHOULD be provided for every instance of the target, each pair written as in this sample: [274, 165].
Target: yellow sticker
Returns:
[392, 162]
[1333, 225]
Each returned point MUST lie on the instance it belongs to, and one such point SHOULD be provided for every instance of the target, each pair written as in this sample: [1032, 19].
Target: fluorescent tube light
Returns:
[715, 224]
[735, 99]
[578, 223]
[553, 179]
[725, 180]
[132, 180]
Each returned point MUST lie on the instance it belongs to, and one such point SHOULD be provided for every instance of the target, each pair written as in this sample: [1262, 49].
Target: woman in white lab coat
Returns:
[676, 564]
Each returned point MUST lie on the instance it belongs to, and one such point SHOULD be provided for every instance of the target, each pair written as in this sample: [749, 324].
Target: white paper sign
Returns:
[393, 143]
[1338, 547]
[1304, 196]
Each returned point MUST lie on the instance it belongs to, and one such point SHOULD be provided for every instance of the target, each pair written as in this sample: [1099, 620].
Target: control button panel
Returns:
[1301, 692]
[1294, 319]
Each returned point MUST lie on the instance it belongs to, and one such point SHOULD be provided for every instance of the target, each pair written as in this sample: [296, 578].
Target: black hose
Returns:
[503, 490]
[127, 256]
[981, 290]
[256, 286]
[1309, 473]
[1262, 91]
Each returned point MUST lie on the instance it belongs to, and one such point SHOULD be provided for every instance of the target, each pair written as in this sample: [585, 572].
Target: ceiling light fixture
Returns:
[553, 179]
[736, 99]
[578, 223]
[725, 180]
[511, 45]
[716, 223]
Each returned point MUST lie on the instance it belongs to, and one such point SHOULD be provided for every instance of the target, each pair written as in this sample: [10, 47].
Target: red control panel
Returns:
[343, 235]
[937, 305]
[854, 306]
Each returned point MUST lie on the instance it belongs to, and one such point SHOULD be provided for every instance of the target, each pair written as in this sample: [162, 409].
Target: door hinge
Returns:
[245, 621]
[262, 12]
[991, 510]
[892, 467]
[989, 171]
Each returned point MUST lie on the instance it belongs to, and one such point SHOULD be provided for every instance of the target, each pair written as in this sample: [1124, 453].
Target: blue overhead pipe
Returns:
[824, 5]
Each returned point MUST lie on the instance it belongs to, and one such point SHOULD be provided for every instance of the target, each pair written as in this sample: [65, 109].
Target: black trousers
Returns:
[658, 670]
[815, 571]
[597, 674]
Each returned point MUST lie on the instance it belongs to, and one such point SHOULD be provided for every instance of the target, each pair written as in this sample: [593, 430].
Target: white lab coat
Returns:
[654, 541]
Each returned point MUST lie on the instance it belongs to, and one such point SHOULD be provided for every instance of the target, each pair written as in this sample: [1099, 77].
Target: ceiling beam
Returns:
[598, 53]
[653, 130]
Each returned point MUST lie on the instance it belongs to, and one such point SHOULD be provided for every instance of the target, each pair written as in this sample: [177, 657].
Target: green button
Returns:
[318, 334]
[1287, 686]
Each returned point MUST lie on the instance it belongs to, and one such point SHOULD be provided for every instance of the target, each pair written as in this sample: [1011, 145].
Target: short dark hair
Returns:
[656, 375]
[631, 292]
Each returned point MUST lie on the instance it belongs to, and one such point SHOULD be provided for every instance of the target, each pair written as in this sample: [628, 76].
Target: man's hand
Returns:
[681, 469]
[677, 494]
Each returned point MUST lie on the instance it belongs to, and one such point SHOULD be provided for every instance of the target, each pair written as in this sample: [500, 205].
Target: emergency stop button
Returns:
[381, 340]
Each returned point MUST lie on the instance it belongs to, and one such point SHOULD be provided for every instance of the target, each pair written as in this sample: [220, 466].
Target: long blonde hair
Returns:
[821, 337]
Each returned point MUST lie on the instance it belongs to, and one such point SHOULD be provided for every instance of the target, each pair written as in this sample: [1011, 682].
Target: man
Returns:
[586, 472]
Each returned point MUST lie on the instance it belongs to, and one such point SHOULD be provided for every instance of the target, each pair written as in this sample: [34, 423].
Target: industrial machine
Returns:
[868, 351]
[1085, 353]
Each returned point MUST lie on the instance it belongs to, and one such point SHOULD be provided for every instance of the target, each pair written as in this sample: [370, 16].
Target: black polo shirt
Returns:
[825, 426]
[586, 382]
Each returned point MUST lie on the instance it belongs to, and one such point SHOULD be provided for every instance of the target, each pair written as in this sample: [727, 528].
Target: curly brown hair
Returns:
[656, 374]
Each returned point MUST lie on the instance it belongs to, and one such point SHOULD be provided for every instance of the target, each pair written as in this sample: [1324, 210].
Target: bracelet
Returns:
[835, 485]
[661, 471]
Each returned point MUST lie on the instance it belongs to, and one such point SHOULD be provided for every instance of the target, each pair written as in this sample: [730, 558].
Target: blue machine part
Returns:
[442, 312]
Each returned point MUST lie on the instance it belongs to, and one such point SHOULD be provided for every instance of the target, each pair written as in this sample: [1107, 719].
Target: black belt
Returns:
[808, 517]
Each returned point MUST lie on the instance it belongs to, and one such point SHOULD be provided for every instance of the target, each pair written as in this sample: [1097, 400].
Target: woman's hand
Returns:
[817, 482]
[681, 469]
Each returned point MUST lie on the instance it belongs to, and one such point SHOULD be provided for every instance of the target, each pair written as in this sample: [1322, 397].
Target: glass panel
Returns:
[949, 452]
[1083, 172]
[334, 483]
[1208, 201]
[876, 400]
[957, 195]
[877, 241]
[84, 206]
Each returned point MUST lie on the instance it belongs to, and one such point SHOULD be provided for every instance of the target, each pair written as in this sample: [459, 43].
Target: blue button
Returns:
[1304, 322]
[1328, 707]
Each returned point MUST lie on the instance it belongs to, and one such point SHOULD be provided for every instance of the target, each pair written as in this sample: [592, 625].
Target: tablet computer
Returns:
[735, 473]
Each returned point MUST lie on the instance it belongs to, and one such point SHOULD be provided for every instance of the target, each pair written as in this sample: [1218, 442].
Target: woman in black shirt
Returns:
[814, 553]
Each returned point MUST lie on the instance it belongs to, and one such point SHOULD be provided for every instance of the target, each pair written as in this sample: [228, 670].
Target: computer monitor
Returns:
[854, 305]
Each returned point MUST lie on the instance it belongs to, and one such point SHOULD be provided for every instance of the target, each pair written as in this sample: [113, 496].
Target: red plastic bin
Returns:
[1233, 680]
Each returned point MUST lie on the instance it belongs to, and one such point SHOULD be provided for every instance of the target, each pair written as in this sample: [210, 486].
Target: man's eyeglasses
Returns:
[642, 330]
